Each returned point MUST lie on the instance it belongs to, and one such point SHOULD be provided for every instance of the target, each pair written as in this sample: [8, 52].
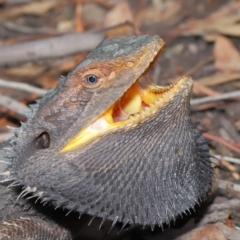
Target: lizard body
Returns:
[108, 143]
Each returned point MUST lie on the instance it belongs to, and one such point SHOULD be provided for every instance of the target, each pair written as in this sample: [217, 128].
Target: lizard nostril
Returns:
[42, 141]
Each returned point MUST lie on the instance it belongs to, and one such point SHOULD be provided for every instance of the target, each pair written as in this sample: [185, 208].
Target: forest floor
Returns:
[202, 41]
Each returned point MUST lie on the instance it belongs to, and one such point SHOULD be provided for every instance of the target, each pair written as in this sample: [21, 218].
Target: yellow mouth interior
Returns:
[139, 96]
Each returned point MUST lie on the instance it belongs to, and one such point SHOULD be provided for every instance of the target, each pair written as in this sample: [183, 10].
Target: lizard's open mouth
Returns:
[140, 101]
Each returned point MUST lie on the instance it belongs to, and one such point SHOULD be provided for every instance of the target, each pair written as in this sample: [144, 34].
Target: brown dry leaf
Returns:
[24, 71]
[65, 26]
[47, 81]
[119, 14]
[227, 57]
[105, 3]
[36, 8]
[230, 233]
[208, 232]
[78, 19]
[237, 124]
[224, 20]
[159, 11]
[228, 24]
[3, 122]
[218, 78]
[230, 30]
[126, 29]
[93, 13]
[67, 64]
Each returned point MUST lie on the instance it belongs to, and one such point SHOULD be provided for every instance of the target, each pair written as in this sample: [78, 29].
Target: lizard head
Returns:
[109, 143]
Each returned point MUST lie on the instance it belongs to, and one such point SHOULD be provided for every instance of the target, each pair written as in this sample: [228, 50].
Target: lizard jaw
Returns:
[136, 105]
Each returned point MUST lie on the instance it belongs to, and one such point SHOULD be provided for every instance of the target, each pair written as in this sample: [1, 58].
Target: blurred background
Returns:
[42, 40]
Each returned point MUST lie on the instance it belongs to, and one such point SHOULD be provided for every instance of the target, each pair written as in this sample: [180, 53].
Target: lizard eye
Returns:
[91, 79]
[42, 141]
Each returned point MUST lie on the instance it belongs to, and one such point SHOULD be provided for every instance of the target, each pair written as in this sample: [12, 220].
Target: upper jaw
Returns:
[136, 106]
[126, 76]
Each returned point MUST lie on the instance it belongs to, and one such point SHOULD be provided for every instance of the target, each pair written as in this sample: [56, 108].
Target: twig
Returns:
[12, 104]
[223, 96]
[228, 144]
[16, 1]
[229, 185]
[198, 88]
[228, 159]
[28, 30]
[22, 86]
[218, 216]
[233, 203]
[199, 65]
[218, 78]
[49, 48]
[60, 46]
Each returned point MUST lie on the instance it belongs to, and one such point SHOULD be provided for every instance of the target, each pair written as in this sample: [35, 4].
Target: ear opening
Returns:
[43, 141]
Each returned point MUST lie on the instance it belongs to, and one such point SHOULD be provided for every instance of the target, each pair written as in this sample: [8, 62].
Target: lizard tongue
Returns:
[130, 103]
[142, 93]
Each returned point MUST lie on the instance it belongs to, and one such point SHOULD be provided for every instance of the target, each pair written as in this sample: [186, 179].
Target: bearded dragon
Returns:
[106, 142]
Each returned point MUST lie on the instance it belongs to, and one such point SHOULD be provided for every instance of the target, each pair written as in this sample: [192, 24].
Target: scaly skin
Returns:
[146, 171]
